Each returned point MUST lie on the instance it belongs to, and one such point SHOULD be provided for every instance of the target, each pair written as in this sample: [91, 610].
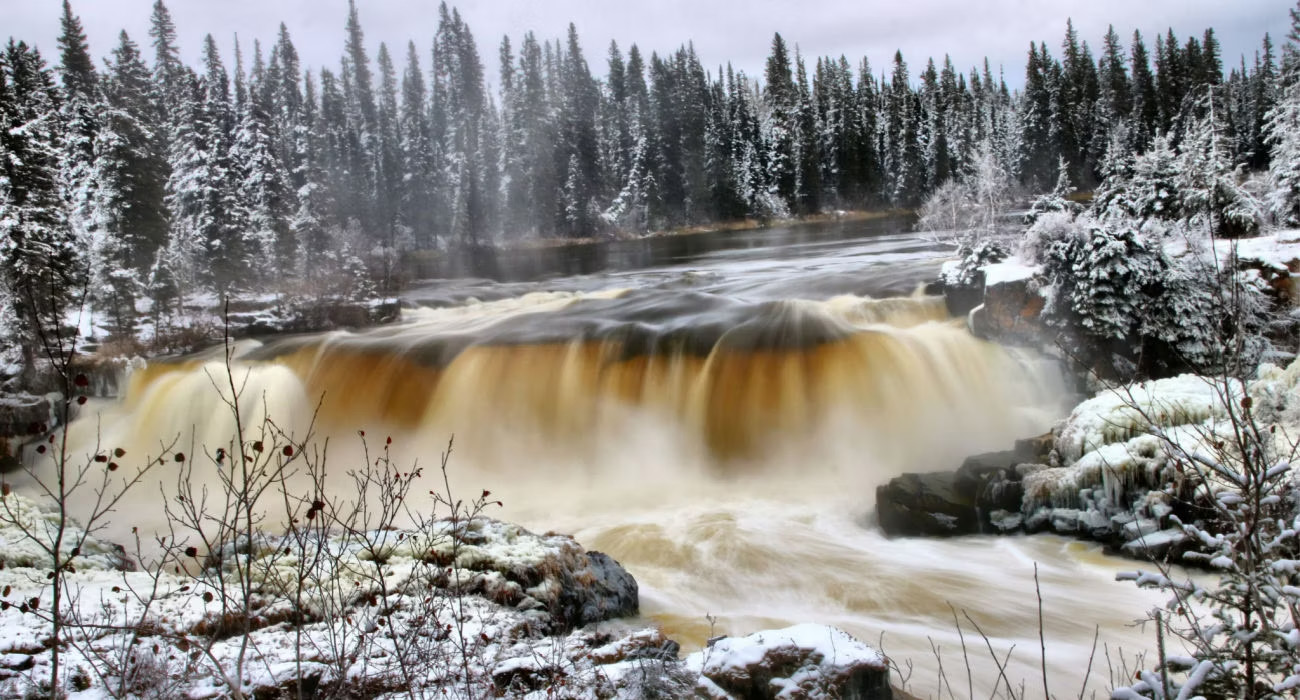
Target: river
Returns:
[714, 411]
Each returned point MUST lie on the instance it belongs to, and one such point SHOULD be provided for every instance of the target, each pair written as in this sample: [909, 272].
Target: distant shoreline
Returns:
[727, 226]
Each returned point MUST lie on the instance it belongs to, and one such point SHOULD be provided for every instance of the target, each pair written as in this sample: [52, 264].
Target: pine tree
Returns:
[206, 245]
[1114, 103]
[1040, 148]
[81, 110]
[1282, 130]
[169, 75]
[1153, 192]
[262, 191]
[418, 165]
[39, 266]
[359, 130]
[780, 124]
[388, 174]
[1076, 95]
[578, 143]
[1264, 96]
[130, 221]
[1208, 182]
[1146, 102]
[459, 87]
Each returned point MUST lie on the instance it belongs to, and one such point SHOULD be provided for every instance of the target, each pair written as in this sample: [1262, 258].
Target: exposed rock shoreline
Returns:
[478, 606]
[1105, 473]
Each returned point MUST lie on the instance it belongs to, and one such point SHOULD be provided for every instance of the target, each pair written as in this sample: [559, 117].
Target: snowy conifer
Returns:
[263, 194]
[39, 267]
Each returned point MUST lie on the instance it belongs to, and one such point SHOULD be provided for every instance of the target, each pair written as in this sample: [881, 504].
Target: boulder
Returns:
[957, 503]
[803, 661]
[932, 504]
[595, 590]
[960, 299]
[1011, 313]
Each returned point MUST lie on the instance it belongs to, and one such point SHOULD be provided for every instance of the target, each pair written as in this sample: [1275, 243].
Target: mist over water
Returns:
[718, 424]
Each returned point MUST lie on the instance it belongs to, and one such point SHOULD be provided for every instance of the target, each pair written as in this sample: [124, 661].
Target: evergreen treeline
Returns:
[250, 169]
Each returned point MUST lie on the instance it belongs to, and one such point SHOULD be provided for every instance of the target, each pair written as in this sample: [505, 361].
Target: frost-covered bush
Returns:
[1056, 201]
[974, 205]
[1240, 635]
[1153, 191]
[949, 208]
[1124, 307]
[974, 254]
[1185, 317]
[1049, 229]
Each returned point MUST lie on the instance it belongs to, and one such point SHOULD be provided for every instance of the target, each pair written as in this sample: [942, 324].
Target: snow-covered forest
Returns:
[254, 172]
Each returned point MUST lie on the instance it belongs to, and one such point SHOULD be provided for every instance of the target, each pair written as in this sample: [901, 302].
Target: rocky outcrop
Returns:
[1102, 475]
[507, 621]
[22, 416]
[977, 498]
[1011, 313]
[309, 316]
[803, 661]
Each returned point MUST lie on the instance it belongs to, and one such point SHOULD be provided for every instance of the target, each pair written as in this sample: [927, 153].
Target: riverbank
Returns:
[719, 227]
[473, 606]
[1112, 471]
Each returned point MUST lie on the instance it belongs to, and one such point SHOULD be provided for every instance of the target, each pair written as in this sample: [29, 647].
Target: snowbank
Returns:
[1279, 250]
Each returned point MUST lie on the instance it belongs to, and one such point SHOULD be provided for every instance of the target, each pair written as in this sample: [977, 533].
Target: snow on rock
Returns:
[28, 530]
[470, 604]
[1119, 414]
[803, 661]
[1280, 250]
[1013, 269]
[1117, 477]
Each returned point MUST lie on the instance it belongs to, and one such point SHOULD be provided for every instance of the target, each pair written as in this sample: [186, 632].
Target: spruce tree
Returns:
[131, 221]
[206, 245]
[1146, 101]
[578, 143]
[780, 127]
[262, 191]
[81, 117]
[1040, 149]
[39, 266]
[1282, 131]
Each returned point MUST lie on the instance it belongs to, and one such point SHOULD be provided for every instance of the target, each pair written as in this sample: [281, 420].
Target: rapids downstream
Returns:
[715, 419]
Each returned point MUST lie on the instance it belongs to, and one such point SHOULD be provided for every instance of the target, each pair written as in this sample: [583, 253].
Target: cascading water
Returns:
[724, 447]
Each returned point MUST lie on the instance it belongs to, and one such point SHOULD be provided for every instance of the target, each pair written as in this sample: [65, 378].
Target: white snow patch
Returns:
[1013, 269]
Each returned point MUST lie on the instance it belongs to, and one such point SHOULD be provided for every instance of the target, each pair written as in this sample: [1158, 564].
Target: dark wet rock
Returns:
[926, 504]
[22, 417]
[963, 502]
[960, 299]
[600, 590]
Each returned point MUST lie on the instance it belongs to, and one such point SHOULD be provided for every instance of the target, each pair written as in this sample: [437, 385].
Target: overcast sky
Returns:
[739, 31]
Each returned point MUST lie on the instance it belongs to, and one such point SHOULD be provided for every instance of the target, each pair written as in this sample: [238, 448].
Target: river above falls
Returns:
[714, 411]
